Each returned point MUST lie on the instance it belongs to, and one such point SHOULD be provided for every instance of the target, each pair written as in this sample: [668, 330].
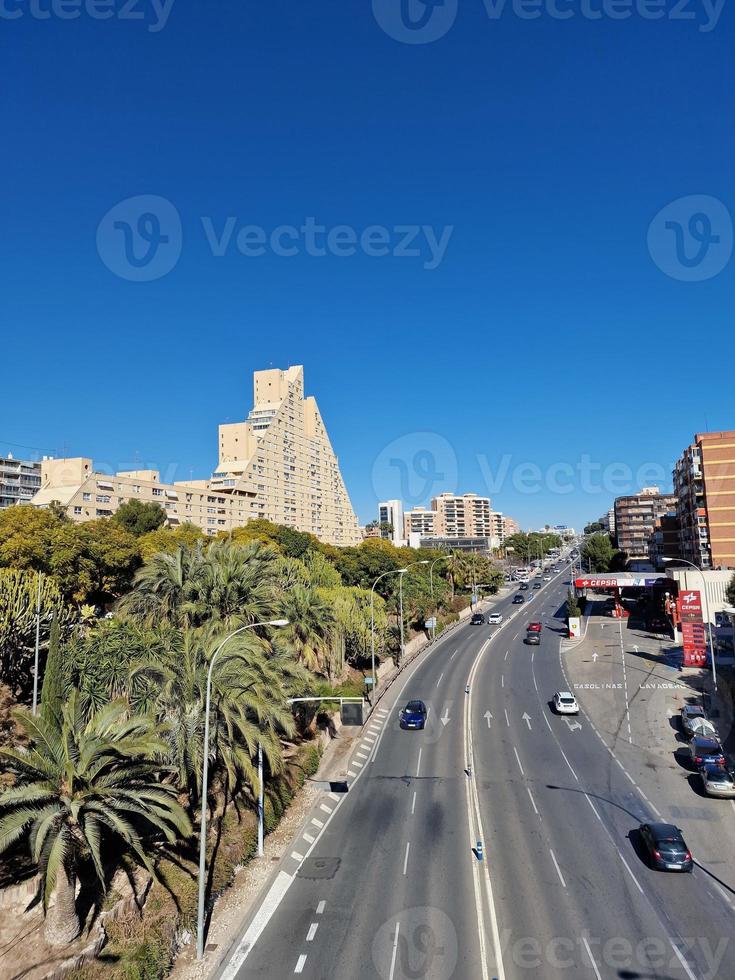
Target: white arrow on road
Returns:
[445, 717]
[527, 718]
[572, 724]
[595, 655]
[487, 716]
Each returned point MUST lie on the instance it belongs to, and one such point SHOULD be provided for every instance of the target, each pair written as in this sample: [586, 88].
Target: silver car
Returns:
[717, 781]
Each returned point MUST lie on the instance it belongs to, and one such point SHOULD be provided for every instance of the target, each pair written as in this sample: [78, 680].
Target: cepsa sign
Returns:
[690, 606]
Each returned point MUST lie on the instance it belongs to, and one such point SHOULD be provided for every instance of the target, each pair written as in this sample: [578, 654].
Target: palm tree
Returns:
[80, 783]
[311, 626]
[165, 587]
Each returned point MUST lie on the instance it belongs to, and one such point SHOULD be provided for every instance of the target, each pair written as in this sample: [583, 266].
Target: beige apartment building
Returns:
[510, 527]
[279, 465]
[704, 484]
[419, 520]
[465, 516]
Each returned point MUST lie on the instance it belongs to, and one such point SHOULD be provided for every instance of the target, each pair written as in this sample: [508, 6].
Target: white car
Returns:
[494, 619]
[565, 703]
[547, 578]
[717, 781]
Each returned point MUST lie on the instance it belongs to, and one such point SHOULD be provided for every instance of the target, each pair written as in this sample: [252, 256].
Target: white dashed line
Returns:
[312, 932]
[395, 950]
[683, 962]
[453, 655]
[518, 760]
[317, 823]
[418, 764]
[355, 762]
[533, 802]
[413, 802]
[506, 654]
[502, 680]
[308, 837]
[299, 968]
[350, 773]
[405, 859]
[440, 679]
[320, 907]
[507, 720]
[325, 808]
[296, 856]
[592, 959]
[558, 869]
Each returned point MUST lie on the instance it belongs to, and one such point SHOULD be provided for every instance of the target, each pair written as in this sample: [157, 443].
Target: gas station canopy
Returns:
[619, 580]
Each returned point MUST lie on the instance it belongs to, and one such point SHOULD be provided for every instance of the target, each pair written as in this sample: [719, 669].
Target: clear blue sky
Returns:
[545, 334]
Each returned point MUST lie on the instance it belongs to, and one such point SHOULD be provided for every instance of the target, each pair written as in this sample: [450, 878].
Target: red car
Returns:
[534, 628]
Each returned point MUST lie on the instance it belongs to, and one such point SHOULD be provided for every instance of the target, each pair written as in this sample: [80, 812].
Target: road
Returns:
[389, 883]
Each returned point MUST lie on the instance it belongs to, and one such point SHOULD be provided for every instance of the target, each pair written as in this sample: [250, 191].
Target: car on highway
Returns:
[477, 619]
[523, 587]
[518, 599]
[688, 713]
[706, 752]
[665, 847]
[565, 703]
[547, 578]
[413, 715]
[534, 627]
[533, 639]
[494, 619]
[718, 781]
[537, 585]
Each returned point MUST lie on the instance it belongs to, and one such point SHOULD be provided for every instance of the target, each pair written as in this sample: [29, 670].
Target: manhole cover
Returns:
[319, 867]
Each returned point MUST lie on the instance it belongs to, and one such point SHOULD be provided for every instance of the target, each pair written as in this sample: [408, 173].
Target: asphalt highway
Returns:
[493, 844]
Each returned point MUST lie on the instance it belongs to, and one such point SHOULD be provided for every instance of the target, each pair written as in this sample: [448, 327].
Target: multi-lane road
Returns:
[493, 844]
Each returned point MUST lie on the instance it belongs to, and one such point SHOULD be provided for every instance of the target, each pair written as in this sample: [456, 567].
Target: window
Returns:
[86, 496]
[78, 510]
[157, 492]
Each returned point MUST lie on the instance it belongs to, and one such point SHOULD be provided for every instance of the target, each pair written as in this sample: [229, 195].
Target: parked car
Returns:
[518, 599]
[413, 715]
[718, 781]
[477, 619]
[706, 752]
[565, 703]
[494, 619]
[665, 847]
[688, 713]
[703, 727]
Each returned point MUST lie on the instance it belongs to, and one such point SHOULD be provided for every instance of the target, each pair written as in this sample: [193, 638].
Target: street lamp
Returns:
[706, 606]
[392, 571]
[431, 586]
[205, 774]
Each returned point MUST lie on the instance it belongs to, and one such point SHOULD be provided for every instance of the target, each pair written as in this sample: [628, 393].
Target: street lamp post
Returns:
[392, 571]
[706, 606]
[205, 774]
[431, 586]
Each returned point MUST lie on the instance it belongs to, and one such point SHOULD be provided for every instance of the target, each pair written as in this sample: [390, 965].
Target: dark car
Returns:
[413, 715]
[523, 587]
[706, 752]
[666, 849]
[688, 713]
[533, 639]
[518, 599]
[477, 619]
[537, 585]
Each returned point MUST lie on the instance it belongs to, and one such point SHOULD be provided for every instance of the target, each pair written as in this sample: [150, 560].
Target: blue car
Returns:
[413, 715]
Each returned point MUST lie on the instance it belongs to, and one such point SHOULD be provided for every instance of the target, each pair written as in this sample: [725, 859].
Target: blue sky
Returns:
[552, 331]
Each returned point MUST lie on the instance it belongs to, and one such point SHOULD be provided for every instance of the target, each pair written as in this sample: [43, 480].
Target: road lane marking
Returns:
[312, 932]
[405, 859]
[418, 764]
[515, 635]
[568, 763]
[356, 762]
[325, 808]
[506, 654]
[592, 959]
[395, 950]
[361, 755]
[502, 680]
[297, 857]
[440, 679]
[317, 823]
[453, 655]
[320, 907]
[558, 869]
[308, 838]
[628, 869]
[507, 720]
[413, 802]
[301, 962]
[682, 960]
[533, 802]
[518, 760]
[350, 773]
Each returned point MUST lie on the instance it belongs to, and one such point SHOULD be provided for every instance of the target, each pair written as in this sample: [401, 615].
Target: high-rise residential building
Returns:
[636, 516]
[278, 465]
[390, 513]
[664, 540]
[497, 524]
[467, 515]
[281, 464]
[510, 527]
[419, 520]
[704, 483]
[19, 480]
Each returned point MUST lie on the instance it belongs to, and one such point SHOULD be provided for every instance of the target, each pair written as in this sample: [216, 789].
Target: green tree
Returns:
[53, 690]
[82, 783]
[572, 605]
[93, 562]
[311, 624]
[730, 593]
[169, 539]
[598, 551]
[26, 537]
[18, 601]
[139, 517]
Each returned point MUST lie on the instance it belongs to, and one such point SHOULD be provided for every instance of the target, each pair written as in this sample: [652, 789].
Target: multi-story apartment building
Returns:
[510, 527]
[19, 480]
[419, 520]
[636, 516]
[664, 540]
[390, 512]
[277, 465]
[704, 484]
[465, 516]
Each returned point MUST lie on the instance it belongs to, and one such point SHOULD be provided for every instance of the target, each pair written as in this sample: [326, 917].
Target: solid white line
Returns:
[592, 959]
[558, 869]
[627, 866]
[413, 802]
[682, 960]
[533, 802]
[548, 723]
[312, 931]
[320, 907]
[440, 679]
[518, 760]
[300, 964]
[534, 681]
[568, 763]
[395, 949]
[418, 764]
[405, 859]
